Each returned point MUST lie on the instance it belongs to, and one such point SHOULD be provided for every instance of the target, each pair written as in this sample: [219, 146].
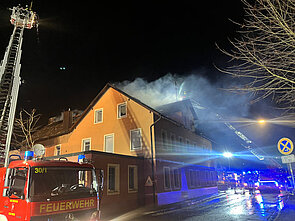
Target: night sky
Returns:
[96, 42]
[100, 42]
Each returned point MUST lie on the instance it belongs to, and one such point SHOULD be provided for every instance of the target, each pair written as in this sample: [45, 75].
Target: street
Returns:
[226, 206]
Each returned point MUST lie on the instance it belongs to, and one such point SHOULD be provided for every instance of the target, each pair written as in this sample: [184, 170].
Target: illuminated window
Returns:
[109, 143]
[86, 144]
[122, 110]
[135, 139]
[113, 179]
[176, 178]
[132, 178]
[98, 116]
[57, 150]
[167, 181]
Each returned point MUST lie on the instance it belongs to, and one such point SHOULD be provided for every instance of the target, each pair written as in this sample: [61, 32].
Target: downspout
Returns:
[152, 156]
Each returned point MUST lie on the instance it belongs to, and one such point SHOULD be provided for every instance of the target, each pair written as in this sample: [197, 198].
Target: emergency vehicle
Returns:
[35, 189]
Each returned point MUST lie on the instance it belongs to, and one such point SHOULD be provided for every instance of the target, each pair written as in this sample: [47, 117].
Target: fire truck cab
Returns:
[48, 190]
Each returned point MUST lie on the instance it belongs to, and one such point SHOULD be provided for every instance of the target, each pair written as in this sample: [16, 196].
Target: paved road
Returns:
[225, 207]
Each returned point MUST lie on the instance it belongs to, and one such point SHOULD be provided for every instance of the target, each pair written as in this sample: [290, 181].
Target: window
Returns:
[188, 145]
[98, 116]
[192, 178]
[122, 110]
[113, 179]
[18, 182]
[86, 144]
[57, 150]
[176, 176]
[164, 139]
[167, 178]
[109, 143]
[198, 177]
[132, 178]
[172, 138]
[180, 139]
[135, 139]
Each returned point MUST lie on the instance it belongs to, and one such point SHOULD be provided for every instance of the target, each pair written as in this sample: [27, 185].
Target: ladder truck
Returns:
[34, 188]
[21, 18]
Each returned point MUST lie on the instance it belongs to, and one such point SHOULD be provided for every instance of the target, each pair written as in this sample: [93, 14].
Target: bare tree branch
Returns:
[264, 55]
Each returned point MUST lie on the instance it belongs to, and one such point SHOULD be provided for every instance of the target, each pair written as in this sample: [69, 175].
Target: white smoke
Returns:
[172, 87]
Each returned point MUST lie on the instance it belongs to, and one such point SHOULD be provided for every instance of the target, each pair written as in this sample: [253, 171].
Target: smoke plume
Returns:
[172, 87]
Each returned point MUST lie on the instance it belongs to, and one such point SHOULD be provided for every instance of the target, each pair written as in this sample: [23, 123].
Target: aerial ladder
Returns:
[21, 18]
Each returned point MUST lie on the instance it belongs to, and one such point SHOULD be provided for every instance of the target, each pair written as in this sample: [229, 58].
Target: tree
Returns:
[24, 127]
[264, 54]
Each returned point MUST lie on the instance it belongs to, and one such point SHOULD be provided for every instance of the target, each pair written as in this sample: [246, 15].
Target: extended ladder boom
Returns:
[10, 76]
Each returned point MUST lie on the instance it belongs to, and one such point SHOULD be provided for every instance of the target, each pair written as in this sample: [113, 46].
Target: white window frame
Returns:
[82, 143]
[135, 179]
[98, 122]
[164, 178]
[55, 150]
[104, 142]
[120, 117]
[117, 179]
[136, 149]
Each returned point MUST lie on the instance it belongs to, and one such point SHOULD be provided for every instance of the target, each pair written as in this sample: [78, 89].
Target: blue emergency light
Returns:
[29, 155]
[81, 158]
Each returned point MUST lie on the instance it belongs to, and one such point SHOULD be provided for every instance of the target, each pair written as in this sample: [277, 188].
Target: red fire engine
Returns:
[35, 189]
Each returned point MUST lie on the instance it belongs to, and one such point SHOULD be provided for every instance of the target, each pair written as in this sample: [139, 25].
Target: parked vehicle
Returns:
[268, 186]
[35, 189]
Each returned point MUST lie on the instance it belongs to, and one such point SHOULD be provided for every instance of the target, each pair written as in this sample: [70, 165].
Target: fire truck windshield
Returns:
[52, 183]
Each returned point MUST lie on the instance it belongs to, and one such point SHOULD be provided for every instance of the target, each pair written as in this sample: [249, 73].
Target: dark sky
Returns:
[111, 41]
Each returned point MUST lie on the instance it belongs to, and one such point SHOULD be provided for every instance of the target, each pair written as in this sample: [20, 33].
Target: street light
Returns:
[261, 121]
[227, 154]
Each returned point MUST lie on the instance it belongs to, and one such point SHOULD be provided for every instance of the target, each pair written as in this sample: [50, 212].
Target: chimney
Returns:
[67, 119]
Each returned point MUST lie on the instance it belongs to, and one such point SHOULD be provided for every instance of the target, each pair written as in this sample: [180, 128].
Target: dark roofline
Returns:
[96, 99]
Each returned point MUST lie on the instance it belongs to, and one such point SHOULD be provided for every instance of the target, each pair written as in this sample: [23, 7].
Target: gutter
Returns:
[152, 156]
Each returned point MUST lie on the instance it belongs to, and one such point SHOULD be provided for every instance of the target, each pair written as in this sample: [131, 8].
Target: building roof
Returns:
[57, 129]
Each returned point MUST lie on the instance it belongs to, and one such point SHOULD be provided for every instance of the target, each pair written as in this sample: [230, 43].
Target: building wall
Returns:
[193, 148]
[137, 117]
[123, 200]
